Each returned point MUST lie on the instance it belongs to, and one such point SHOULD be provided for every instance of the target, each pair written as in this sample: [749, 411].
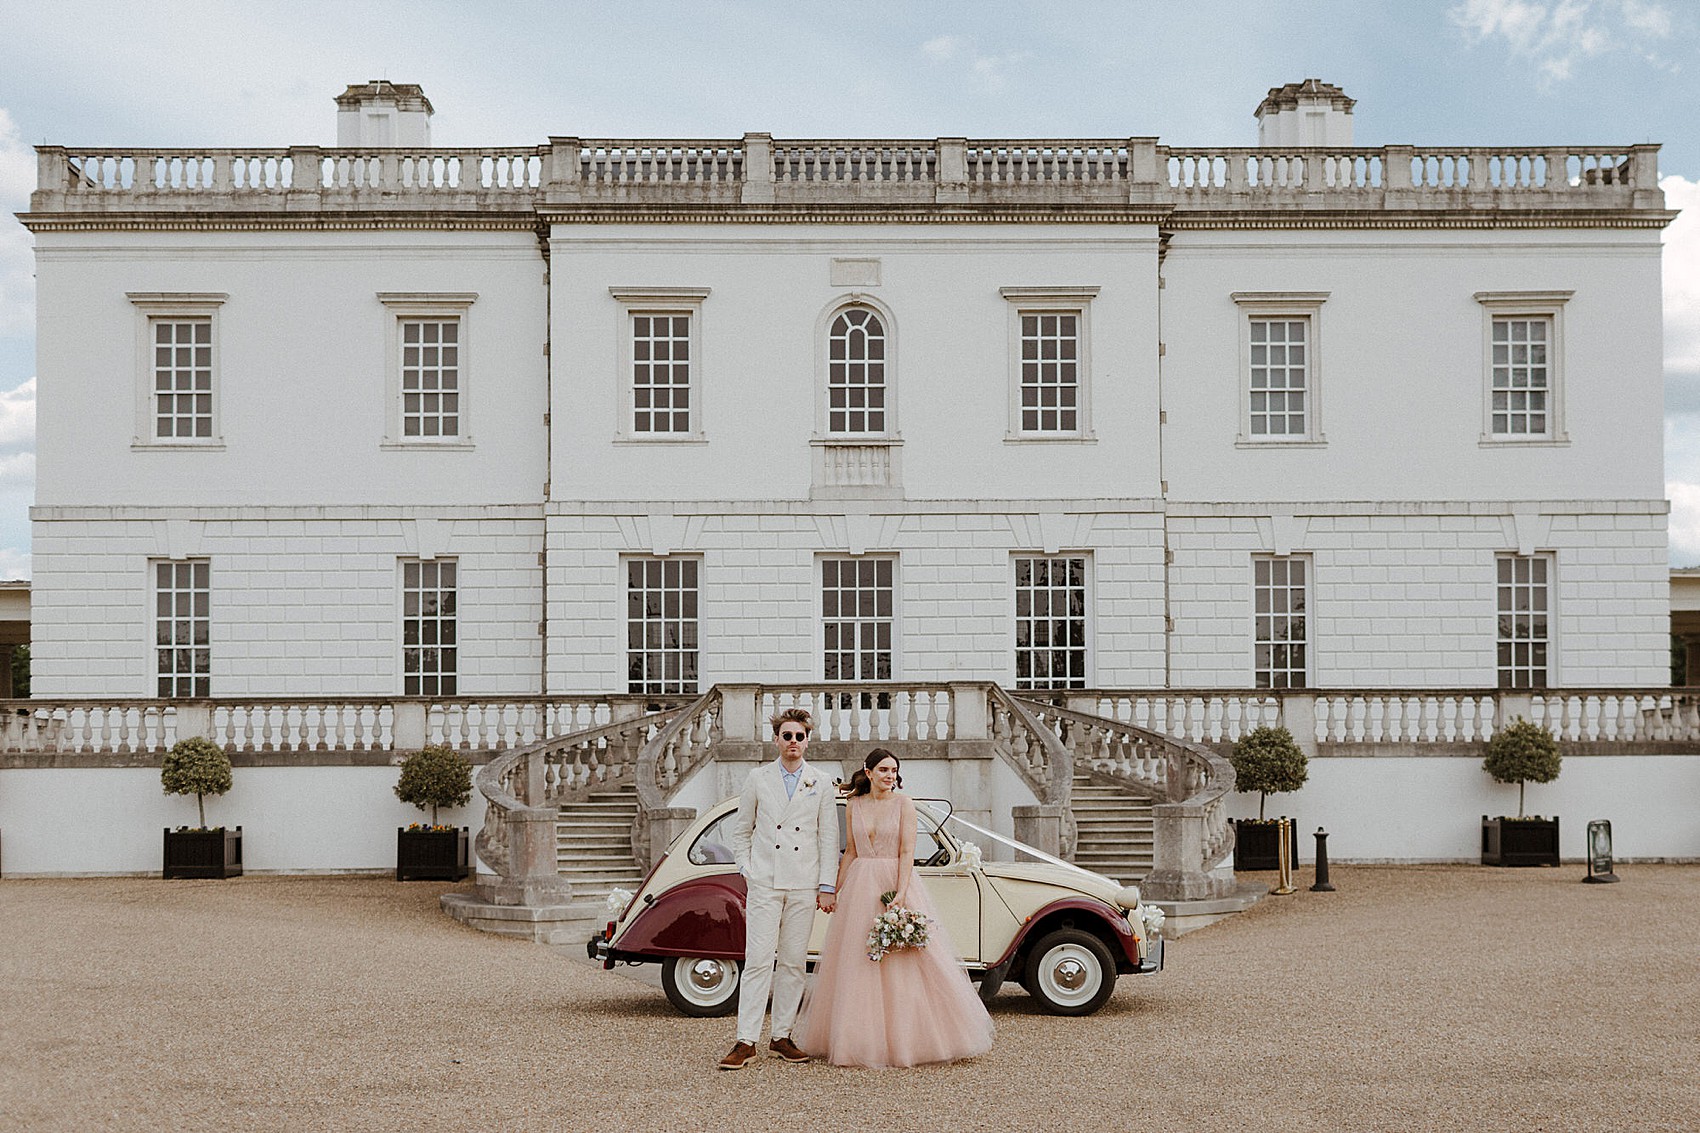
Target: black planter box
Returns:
[431, 855]
[1257, 845]
[203, 853]
[1519, 841]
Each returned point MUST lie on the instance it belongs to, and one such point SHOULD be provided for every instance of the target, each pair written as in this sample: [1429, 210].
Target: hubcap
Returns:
[706, 975]
[1070, 975]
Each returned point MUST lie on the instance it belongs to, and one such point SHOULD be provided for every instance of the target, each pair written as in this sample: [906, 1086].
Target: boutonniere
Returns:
[809, 784]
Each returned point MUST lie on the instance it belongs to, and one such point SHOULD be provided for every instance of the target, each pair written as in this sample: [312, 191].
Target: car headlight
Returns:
[1128, 898]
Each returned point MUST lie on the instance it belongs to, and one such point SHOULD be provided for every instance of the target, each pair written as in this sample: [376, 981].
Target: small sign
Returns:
[1599, 852]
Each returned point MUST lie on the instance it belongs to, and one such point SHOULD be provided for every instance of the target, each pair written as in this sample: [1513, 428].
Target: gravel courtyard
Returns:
[1413, 998]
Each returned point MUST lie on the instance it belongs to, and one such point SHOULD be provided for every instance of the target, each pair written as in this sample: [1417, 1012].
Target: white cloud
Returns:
[14, 564]
[17, 419]
[1558, 36]
[17, 260]
[1684, 523]
[991, 70]
[944, 48]
[1682, 278]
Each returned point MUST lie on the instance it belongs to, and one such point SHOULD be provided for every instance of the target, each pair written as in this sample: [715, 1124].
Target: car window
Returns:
[714, 845]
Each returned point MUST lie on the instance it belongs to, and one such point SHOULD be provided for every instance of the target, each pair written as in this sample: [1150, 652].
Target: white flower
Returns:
[809, 783]
[971, 855]
[617, 901]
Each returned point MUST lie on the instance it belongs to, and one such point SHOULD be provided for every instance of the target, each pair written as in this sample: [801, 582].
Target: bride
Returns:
[915, 1005]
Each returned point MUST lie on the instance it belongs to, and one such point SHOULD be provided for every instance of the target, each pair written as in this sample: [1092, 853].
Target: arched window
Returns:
[855, 373]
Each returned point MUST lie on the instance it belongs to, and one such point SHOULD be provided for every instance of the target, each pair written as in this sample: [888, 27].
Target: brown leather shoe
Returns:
[787, 1050]
[741, 1053]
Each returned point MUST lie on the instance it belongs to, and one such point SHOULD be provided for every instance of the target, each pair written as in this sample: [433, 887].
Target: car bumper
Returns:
[600, 951]
[1153, 961]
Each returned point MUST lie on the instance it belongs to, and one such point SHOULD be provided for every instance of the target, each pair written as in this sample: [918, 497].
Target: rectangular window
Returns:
[183, 627]
[661, 372]
[430, 378]
[1280, 375]
[1279, 632]
[661, 625]
[1050, 363]
[1523, 366]
[1050, 622]
[1050, 371]
[1521, 376]
[178, 379]
[857, 619]
[429, 644]
[1279, 382]
[1523, 595]
[182, 379]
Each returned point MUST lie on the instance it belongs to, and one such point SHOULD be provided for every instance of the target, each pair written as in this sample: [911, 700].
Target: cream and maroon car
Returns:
[1062, 932]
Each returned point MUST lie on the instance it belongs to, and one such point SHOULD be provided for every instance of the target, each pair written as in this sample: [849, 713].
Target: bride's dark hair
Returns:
[861, 783]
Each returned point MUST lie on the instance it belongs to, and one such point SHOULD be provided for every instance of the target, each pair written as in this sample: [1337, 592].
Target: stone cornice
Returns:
[1176, 219]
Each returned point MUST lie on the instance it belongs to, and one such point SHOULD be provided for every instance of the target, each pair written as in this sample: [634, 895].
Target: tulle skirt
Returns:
[914, 1006]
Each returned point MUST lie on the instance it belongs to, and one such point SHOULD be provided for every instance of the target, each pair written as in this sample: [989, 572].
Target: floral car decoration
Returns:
[1014, 912]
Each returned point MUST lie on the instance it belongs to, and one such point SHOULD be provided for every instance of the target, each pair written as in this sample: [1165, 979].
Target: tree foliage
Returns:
[1522, 752]
[196, 766]
[435, 776]
[1268, 760]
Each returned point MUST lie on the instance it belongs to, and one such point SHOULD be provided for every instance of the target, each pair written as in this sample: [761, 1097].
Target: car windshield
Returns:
[993, 846]
[714, 845]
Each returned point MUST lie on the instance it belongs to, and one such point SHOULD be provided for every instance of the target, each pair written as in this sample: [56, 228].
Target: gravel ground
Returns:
[1413, 998]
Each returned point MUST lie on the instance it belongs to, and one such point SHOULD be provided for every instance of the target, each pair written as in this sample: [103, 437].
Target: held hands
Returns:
[826, 902]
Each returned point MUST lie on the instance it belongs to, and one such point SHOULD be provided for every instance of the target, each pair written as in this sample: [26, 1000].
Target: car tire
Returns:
[700, 986]
[1070, 972]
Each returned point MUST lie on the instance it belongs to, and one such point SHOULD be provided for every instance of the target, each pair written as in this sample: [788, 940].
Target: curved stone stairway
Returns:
[1113, 830]
[593, 844]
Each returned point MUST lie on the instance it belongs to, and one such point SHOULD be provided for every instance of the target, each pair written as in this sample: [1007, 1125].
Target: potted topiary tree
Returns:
[197, 766]
[433, 777]
[1522, 752]
[1269, 761]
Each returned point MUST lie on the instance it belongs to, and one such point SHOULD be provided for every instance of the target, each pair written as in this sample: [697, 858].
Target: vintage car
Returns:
[1062, 932]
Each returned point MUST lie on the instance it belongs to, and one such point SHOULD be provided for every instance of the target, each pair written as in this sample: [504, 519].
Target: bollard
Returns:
[1284, 858]
[1323, 885]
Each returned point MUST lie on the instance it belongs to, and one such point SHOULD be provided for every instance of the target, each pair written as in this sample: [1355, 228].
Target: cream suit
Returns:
[787, 848]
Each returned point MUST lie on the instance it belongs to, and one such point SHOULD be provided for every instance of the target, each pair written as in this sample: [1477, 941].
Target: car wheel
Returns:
[1070, 972]
[700, 986]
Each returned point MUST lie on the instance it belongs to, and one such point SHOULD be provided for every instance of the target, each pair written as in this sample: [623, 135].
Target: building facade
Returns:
[643, 416]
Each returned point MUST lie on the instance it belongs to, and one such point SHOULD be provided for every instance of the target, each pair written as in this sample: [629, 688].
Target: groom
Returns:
[785, 841]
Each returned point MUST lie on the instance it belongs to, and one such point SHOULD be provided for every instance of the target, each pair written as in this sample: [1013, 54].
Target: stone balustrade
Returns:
[352, 729]
[117, 732]
[1409, 721]
[573, 173]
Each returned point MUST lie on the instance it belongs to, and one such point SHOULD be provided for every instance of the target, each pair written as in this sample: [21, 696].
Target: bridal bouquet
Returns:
[897, 927]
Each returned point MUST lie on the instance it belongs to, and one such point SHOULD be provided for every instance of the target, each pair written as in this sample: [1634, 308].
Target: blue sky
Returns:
[1453, 72]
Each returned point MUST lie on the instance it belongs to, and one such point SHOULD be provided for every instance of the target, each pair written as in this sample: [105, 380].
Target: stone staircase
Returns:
[593, 844]
[1113, 830]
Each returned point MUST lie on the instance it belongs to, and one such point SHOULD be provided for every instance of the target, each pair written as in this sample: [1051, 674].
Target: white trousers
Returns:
[777, 923]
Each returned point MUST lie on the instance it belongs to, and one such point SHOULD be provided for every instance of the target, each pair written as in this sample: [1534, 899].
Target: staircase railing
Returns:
[1044, 763]
[671, 756]
[524, 790]
[1191, 833]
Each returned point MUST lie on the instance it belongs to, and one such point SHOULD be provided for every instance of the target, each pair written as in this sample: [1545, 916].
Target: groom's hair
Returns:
[794, 716]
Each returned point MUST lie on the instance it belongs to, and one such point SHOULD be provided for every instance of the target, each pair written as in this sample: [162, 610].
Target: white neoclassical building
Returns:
[609, 417]
[647, 415]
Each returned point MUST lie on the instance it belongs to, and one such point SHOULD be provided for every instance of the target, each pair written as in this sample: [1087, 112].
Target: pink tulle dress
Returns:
[914, 1006]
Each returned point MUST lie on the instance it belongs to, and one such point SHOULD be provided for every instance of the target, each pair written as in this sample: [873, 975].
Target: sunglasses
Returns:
[793, 735]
